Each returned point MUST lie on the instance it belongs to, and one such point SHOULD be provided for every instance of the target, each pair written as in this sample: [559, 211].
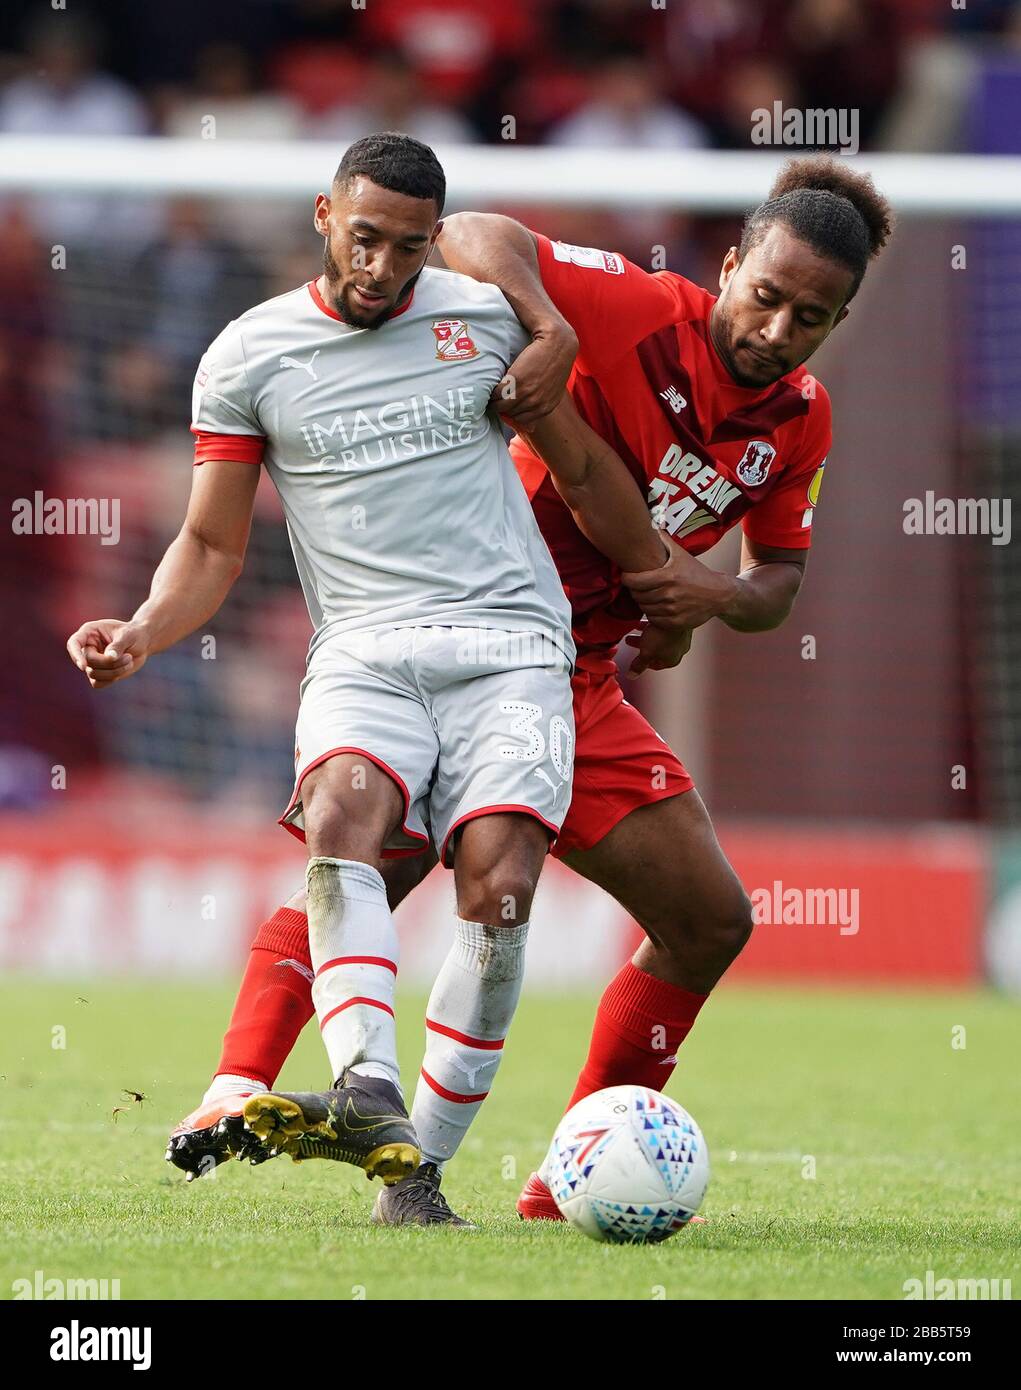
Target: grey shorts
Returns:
[467, 721]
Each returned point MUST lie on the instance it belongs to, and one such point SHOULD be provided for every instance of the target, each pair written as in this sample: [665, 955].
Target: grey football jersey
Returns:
[403, 505]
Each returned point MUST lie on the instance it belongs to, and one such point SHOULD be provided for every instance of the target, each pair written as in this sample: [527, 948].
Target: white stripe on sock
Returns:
[475, 995]
[349, 917]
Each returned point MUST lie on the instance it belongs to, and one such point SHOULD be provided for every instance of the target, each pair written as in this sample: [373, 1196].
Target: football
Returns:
[628, 1165]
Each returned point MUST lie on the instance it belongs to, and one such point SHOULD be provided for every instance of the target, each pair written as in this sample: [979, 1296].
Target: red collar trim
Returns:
[321, 303]
[404, 307]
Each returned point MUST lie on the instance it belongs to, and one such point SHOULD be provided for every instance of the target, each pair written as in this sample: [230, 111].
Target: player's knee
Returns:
[348, 809]
[331, 829]
[726, 930]
[719, 932]
[500, 896]
[328, 830]
[497, 863]
[403, 875]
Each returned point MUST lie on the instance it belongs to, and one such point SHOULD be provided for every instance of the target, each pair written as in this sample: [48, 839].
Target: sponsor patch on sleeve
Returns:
[815, 485]
[588, 257]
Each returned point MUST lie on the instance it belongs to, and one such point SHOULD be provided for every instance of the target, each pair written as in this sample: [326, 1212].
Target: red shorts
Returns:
[620, 763]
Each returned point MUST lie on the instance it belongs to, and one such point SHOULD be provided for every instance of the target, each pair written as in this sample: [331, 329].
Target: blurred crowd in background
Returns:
[573, 72]
[96, 363]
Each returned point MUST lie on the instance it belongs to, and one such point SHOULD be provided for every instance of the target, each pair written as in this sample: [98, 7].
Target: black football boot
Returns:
[416, 1201]
[362, 1120]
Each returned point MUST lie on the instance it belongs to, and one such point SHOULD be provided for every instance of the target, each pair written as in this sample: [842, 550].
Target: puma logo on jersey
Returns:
[308, 366]
[541, 773]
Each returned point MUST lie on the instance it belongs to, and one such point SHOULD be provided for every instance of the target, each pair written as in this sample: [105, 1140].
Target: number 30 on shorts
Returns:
[525, 717]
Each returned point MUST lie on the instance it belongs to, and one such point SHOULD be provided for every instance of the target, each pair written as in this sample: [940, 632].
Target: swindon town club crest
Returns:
[454, 343]
[754, 465]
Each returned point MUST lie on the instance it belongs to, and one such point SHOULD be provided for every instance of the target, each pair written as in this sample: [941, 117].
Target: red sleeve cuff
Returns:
[235, 448]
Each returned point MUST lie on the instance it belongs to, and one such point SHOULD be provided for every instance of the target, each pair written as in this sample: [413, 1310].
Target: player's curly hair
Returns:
[838, 212]
[397, 162]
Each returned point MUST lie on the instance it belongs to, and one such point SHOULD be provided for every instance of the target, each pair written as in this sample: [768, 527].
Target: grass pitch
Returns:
[853, 1147]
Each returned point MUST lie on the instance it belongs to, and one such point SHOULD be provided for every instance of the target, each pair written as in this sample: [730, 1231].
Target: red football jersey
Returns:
[706, 451]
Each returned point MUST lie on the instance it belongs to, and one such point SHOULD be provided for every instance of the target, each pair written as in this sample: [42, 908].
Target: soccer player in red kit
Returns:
[707, 401]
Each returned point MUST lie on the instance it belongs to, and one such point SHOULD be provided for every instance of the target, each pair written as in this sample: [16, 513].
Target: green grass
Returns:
[914, 1147]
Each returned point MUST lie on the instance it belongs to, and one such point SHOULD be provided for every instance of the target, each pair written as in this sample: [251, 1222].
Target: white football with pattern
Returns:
[628, 1165]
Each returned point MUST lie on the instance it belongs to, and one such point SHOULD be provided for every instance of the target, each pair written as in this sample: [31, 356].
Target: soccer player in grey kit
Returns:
[437, 698]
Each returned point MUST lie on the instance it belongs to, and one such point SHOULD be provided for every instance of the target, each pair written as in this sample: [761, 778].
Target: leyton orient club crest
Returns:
[754, 465]
[453, 341]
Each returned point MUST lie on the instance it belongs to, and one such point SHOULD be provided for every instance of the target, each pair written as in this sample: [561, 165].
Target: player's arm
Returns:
[685, 593]
[191, 582]
[500, 251]
[609, 302]
[764, 591]
[774, 551]
[610, 511]
[604, 499]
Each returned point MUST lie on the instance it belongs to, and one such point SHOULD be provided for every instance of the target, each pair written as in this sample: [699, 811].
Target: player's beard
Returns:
[333, 276]
[721, 330]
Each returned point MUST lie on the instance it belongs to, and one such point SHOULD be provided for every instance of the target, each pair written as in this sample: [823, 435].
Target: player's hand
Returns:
[536, 379]
[659, 648]
[108, 649]
[684, 593]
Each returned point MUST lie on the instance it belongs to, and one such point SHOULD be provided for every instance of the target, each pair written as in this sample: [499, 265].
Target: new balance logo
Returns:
[674, 399]
[308, 366]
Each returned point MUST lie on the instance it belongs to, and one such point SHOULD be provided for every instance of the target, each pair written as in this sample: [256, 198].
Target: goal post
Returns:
[717, 181]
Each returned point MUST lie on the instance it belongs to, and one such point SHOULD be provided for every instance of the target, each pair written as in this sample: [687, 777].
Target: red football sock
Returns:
[640, 1024]
[274, 1002]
